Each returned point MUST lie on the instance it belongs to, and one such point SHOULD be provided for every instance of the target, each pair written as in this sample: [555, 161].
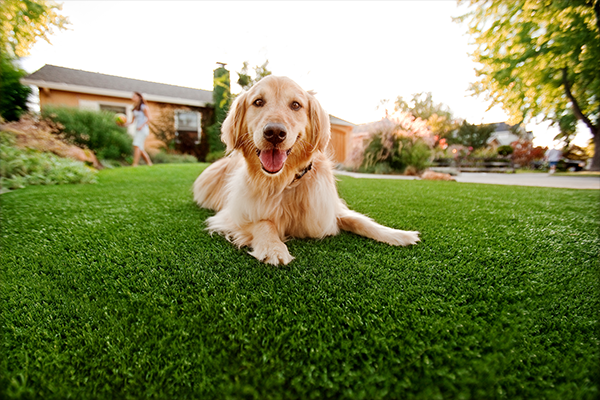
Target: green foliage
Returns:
[485, 153]
[375, 153]
[574, 152]
[13, 95]
[221, 101]
[20, 168]
[422, 106]
[438, 116]
[411, 153]
[471, 135]
[539, 58]
[244, 78]
[94, 130]
[385, 154]
[163, 157]
[117, 291]
[23, 22]
[214, 156]
[505, 150]
[567, 125]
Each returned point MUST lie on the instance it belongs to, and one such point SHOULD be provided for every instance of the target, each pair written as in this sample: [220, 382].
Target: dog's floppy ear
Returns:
[234, 125]
[319, 127]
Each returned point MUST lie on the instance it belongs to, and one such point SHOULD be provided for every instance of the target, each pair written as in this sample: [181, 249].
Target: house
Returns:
[341, 138]
[505, 134]
[191, 109]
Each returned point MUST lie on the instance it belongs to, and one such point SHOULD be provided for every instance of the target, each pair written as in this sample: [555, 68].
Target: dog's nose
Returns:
[274, 133]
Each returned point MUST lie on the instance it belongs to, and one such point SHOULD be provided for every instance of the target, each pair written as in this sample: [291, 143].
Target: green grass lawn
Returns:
[116, 291]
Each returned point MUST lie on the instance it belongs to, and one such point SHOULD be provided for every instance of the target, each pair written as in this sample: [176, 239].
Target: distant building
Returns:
[95, 91]
[505, 134]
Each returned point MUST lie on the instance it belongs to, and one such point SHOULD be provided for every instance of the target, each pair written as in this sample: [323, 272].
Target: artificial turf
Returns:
[115, 290]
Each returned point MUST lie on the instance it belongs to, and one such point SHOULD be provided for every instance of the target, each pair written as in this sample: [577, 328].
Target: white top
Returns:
[140, 117]
[554, 155]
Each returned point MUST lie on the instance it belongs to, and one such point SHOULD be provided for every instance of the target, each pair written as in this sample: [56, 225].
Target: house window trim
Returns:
[198, 123]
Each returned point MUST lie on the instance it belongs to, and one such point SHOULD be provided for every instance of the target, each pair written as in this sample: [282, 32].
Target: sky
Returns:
[354, 54]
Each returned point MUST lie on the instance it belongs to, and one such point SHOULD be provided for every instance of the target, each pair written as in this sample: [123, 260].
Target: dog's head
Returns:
[277, 125]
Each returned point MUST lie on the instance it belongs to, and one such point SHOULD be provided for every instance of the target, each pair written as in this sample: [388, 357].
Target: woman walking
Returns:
[141, 116]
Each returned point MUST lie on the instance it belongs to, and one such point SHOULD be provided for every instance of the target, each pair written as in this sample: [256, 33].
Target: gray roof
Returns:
[339, 121]
[75, 77]
[500, 126]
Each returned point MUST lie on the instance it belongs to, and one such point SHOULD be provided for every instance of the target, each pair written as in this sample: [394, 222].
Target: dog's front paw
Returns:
[274, 254]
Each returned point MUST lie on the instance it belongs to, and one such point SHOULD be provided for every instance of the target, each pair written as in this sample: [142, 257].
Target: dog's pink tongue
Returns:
[272, 160]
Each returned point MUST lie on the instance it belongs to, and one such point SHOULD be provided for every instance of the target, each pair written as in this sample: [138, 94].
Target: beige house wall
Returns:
[340, 142]
[73, 99]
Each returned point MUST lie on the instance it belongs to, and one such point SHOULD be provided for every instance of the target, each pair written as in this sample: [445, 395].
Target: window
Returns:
[113, 108]
[188, 121]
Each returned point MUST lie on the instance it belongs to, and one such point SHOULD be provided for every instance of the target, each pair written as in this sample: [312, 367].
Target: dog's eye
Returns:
[259, 102]
[295, 106]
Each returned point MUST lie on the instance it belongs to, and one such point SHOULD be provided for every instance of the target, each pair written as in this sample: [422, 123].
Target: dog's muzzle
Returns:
[273, 159]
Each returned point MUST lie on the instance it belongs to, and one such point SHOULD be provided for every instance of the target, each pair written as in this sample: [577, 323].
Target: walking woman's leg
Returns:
[146, 157]
[136, 156]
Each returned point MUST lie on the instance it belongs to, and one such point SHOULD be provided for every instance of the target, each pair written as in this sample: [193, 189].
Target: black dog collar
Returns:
[302, 173]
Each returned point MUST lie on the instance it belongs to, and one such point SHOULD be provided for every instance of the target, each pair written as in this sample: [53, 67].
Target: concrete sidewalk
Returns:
[533, 179]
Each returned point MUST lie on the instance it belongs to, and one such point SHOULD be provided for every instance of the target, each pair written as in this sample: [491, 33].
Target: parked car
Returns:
[570, 165]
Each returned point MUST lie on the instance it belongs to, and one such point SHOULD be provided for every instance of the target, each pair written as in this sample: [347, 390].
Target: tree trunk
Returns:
[595, 129]
[596, 158]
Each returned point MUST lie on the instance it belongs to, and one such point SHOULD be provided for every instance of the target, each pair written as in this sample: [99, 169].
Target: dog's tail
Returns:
[209, 187]
[352, 221]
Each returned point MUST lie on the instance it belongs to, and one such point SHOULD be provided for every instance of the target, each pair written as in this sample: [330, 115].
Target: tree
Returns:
[438, 116]
[244, 78]
[470, 135]
[23, 22]
[221, 101]
[539, 58]
[13, 95]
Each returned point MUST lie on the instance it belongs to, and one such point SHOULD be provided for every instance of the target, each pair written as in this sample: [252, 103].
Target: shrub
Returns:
[215, 155]
[20, 168]
[398, 142]
[94, 130]
[524, 154]
[485, 153]
[380, 157]
[411, 153]
[376, 152]
[165, 158]
[505, 150]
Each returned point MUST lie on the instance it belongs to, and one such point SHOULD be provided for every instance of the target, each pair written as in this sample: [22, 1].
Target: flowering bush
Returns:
[524, 153]
[393, 144]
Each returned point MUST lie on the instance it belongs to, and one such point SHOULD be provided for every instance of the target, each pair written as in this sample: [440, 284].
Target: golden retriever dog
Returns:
[277, 181]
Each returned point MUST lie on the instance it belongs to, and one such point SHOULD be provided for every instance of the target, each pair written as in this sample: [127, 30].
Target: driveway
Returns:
[532, 179]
